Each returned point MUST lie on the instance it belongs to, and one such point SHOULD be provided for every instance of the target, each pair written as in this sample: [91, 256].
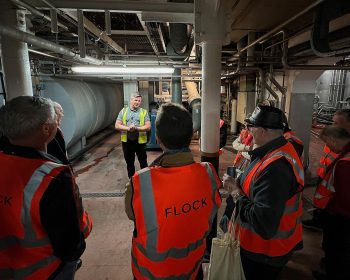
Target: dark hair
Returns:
[334, 132]
[345, 113]
[174, 126]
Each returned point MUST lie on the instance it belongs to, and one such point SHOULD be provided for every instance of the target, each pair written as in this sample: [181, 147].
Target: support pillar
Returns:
[176, 92]
[14, 54]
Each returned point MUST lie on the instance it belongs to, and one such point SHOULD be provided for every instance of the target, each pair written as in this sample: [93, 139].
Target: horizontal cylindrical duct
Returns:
[88, 106]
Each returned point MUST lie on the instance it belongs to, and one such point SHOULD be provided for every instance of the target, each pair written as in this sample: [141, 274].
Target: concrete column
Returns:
[176, 92]
[14, 54]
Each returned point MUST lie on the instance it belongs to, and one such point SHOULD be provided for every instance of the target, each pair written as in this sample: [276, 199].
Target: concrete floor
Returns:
[101, 176]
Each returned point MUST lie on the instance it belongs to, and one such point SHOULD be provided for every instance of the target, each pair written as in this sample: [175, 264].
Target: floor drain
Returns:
[102, 194]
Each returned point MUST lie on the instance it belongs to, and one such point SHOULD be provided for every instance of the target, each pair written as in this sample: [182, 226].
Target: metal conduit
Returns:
[34, 11]
[279, 27]
[44, 44]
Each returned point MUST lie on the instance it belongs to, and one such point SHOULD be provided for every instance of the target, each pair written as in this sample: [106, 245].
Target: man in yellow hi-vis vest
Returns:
[133, 122]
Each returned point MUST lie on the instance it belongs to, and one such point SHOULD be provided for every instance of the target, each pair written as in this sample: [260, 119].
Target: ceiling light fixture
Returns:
[120, 70]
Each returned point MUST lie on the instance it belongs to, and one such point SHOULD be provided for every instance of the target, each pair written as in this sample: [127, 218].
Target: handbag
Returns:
[225, 259]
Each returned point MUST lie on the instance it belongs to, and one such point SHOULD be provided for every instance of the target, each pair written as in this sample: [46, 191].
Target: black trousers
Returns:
[259, 271]
[336, 246]
[131, 148]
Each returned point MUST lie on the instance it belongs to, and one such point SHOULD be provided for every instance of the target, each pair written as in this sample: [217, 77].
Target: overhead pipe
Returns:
[194, 100]
[44, 44]
[320, 31]
[288, 66]
[36, 12]
[279, 27]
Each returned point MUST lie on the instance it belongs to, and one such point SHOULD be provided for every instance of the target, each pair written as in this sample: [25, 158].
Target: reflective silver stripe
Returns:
[150, 218]
[328, 185]
[280, 234]
[21, 273]
[293, 208]
[148, 274]
[29, 191]
[10, 241]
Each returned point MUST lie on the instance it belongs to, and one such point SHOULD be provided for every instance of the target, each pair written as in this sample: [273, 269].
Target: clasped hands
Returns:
[132, 128]
[231, 184]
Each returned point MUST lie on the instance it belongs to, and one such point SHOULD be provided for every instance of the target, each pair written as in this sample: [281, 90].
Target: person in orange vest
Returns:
[223, 135]
[268, 198]
[292, 137]
[172, 203]
[333, 195]
[40, 212]
[340, 119]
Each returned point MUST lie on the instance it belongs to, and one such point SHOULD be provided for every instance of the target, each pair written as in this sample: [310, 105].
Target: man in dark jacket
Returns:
[268, 198]
[52, 240]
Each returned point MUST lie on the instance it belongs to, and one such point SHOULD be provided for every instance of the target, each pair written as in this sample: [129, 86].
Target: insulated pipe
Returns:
[234, 116]
[34, 11]
[176, 92]
[210, 115]
[44, 44]
[14, 54]
[194, 100]
[279, 27]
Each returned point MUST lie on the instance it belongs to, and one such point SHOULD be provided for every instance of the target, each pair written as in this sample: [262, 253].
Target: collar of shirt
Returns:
[174, 158]
[136, 110]
[268, 147]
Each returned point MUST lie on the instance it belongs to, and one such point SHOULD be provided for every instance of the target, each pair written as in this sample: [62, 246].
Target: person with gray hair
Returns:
[268, 198]
[333, 196]
[57, 147]
[133, 122]
[40, 211]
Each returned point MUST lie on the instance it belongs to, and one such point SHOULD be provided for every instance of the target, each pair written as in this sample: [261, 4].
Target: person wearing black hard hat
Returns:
[268, 197]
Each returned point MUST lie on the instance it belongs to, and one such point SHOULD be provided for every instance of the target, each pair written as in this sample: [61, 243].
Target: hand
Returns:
[132, 127]
[230, 183]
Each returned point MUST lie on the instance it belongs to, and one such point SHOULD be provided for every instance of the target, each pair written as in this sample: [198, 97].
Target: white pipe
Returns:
[44, 44]
[210, 116]
[234, 116]
[14, 55]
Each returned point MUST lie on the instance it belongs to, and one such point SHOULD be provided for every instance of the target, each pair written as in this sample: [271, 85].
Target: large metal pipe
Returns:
[34, 11]
[44, 44]
[88, 106]
[14, 54]
[176, 91]
[194, 100]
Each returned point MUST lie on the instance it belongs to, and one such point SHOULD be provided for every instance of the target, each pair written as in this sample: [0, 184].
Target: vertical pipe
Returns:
[53, 16]
[14, 54]
[343, 85]
[108, 22]
[176, 92]
[81, 33]
[233, 116]
[210, 115]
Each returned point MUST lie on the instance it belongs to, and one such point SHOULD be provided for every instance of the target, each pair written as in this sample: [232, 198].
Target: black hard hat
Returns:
[267, 117]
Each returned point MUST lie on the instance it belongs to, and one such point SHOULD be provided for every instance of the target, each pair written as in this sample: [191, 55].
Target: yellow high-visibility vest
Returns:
[142, 139]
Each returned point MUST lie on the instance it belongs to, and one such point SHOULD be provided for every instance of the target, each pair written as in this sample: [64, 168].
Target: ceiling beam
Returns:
[97, 32]
[129, 32]
[119, 6]
[168, 17]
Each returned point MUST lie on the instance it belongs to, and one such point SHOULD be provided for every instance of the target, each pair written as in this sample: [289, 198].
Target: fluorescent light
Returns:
[123, 70]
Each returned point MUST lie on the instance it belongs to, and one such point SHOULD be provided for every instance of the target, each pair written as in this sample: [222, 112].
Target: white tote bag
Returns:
[225, 258]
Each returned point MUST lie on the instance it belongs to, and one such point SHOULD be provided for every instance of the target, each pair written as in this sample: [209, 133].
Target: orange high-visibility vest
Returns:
[25, 249]
[325, 189]
[289, 232]
[325, 161]
[247, 139]
[174, 209]
[291, 135]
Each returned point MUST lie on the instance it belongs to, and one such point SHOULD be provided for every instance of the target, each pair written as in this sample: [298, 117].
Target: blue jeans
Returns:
[67, 272]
